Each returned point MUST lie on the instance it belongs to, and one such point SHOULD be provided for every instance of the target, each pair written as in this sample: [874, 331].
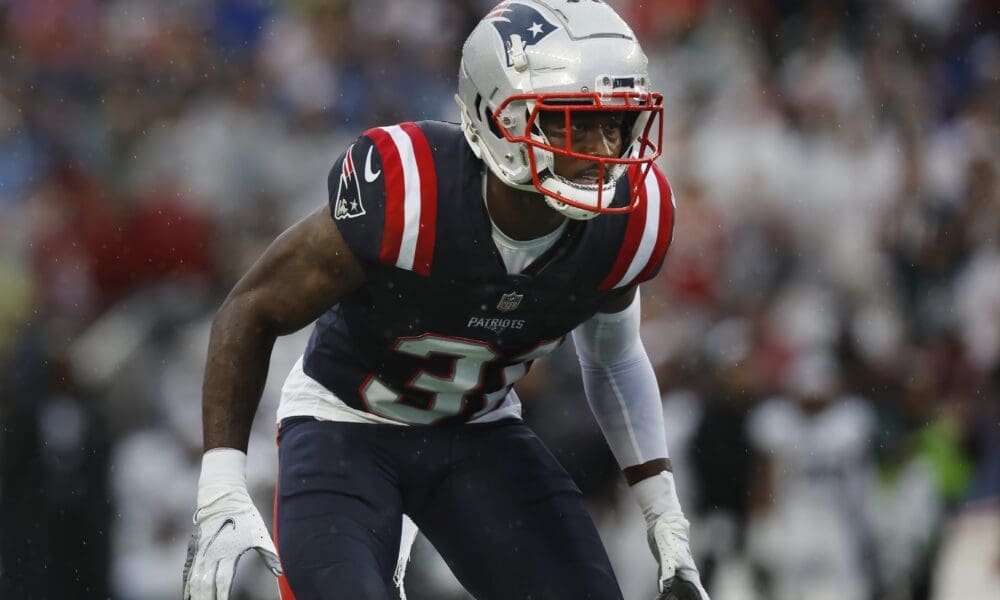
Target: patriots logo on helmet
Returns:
[349, 191]
[512, 18]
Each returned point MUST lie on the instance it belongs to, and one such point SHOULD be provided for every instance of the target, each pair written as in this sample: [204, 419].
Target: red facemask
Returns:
[643, 112]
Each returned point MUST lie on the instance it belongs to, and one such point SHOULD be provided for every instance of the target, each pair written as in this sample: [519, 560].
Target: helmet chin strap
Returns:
[563, 188]
[571, 212]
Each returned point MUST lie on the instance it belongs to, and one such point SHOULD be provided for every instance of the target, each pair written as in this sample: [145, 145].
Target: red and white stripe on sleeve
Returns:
[348, 167]
[647, 234]
[410, 197]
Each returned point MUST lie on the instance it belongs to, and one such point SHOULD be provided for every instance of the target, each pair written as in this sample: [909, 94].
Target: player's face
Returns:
[598, 134]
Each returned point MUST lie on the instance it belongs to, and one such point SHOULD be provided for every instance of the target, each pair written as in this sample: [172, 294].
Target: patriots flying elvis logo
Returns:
[349, 188]
[512, 18]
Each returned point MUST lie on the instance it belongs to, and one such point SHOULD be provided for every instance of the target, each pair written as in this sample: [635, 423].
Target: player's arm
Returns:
[612, 356]
[304, 272]
[655, 465]
[623, 394]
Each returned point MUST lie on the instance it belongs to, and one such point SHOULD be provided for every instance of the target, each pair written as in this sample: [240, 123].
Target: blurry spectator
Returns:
[723, 461]
[54, 507]
[926, 245]
[72, 225]
[812, 536]
[696, 258]
[923, 467]
[978, 286]
[969, 562]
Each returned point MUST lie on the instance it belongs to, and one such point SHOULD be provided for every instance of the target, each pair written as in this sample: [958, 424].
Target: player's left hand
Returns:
[679, 578]
[225, 529]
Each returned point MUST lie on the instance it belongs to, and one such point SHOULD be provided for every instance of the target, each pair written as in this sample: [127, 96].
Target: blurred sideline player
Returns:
[449, 259]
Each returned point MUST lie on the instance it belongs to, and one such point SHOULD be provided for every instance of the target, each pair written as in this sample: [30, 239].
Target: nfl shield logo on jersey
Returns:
[509, 302]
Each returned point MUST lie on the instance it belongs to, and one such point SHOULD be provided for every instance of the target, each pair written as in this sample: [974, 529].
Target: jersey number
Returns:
[448, 394]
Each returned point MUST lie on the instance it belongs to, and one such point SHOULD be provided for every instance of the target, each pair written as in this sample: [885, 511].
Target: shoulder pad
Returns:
[648, 232]
[383, 195]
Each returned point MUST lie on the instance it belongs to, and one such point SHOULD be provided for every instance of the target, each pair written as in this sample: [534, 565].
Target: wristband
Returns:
[657, 495]
[221, 468]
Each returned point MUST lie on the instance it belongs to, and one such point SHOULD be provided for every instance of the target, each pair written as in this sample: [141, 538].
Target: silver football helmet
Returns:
[531, 57]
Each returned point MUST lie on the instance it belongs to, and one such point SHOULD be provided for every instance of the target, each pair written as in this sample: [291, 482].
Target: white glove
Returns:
[667, 534]
[227, 526]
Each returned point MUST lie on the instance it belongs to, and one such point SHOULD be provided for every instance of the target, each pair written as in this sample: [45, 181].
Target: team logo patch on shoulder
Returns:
[349, 203]
[513, 18]
[509, 302]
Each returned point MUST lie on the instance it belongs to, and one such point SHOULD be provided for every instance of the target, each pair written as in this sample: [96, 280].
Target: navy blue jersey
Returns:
[440, 330]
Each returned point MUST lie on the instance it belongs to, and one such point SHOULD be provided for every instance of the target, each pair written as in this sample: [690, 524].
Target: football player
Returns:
[449, 259]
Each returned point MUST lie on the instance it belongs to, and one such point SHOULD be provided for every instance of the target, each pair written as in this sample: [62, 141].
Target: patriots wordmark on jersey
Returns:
[441, 331]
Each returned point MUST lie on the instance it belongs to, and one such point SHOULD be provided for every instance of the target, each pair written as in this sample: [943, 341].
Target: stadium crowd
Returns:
[827, 327]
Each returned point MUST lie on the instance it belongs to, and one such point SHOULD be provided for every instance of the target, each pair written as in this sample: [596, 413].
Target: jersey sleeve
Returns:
[648, 233]
[357, 198]
[383, 197]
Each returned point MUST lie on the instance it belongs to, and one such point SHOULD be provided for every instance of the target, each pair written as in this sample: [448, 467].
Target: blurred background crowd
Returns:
[826, 330]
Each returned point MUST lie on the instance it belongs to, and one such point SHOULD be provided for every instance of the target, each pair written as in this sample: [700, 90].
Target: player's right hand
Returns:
[676, 588]
[227, 526]
[679, 578]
